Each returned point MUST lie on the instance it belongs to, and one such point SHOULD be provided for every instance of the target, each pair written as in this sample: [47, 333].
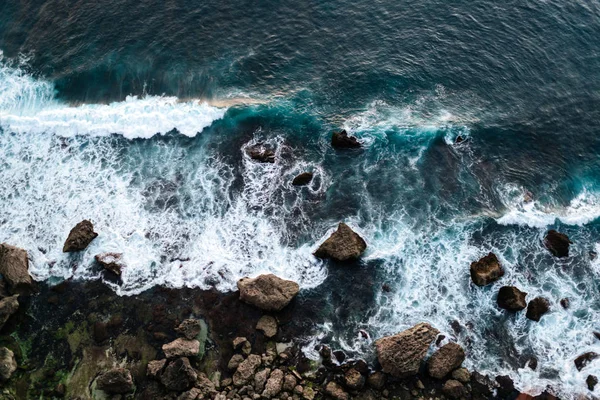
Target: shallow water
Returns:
[136, 116]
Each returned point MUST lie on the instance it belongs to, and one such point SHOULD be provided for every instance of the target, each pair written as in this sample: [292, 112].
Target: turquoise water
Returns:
[136, 116]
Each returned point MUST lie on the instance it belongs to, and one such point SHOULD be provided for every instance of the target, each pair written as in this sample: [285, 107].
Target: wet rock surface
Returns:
[487, 270]
[267, 292]
[80, 237]
[557, 243]
[343, 245]
[14, 268]
[511, 299]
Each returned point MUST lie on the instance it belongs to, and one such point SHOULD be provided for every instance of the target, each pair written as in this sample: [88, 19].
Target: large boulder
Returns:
[181, 347]
[537, 307]
[487, 270]
[343, 245]
[80, 237]
[115, 381]
[179, 375]
[445, 360]
[557, 243]
[267, 292]
[512, 299]
[303, 179]
[8, 364]
[8, 306]
[14, 267]
[401, 355]
[112, 262]
[583, 360]
[341, 140]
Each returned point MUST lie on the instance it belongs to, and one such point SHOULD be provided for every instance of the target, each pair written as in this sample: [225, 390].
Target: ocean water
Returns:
[136, 115]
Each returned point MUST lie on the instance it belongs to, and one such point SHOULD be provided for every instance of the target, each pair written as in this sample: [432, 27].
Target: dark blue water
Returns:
[136, 115]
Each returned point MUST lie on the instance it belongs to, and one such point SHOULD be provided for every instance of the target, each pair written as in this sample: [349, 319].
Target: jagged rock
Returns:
[191, 394]
[537, 307]
[400, 355]
[336, 392]
[454, 389]
[267, 292]
[557, 243]
[274, 384]
[181, 347]
[308, 393]
[8, 306]
[506, 387]
[235, 362]
[115, 381]
[343, 245]
[289, 383]
[246, 370]
[341, 140]
[112, 262]
[179, 375]
[154, 368]
[591, 382]
[565, 303]
[487, 270]
[462, 375]
[354, 380]
[189, 328]
[80, 237]
[206, 386]
[445, 360]
[583, 360]
[239, 342]
[260, 153]
[303, 179]
[512, 299]
[8, 364]
[14, 268]
[260, 379]
[268, 325]
[376, 380]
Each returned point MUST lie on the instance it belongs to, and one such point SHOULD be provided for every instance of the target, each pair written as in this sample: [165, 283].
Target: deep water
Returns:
[136, 116]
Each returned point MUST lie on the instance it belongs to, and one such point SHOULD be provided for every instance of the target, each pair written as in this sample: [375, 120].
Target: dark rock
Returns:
[115, 381]
[179, 375]
[401, 355]
[8, 364]
[591, 381]
[445, 360]
[343, 245]
[80, 237]
[341, 140]
[533, 363]
[260, 153]
[14, 268]
[189, 328]
[267, 292]
[335, 391]
[100, 332]
[585, 359]
[487, 270]
[386, 288]
[303, 179]
[506, 389]
[111, 262]
[8, 306]
[354, 380]
[565, 303]
[537, 307]
[512, 299]
[462, 375]
[376, 380]
[339, 355]
[454, 389]
[557, 243]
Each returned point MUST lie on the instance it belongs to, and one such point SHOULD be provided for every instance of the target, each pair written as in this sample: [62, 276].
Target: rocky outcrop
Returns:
[8, 364]
[189, 328]
[303, 179]
[179, 375]
[246, 370]
[487, 270]
[557, 243]
[583, 360]
[401, 355]
[267, 292]
[181, 348]
[112, 262]
[115, 381]
[268, 325]
[80, 237]
[343, 245]
[512, 299]
[8, 306]
[259, 152]
[341, 140]
[537, 308]
[445, 360]
[14, 268]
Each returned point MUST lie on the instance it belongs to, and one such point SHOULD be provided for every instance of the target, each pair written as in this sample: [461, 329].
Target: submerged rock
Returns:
[268, 325]
[445, 360]
[303, 179]
[583, 360]
[487, 270]
[115, 381]
[8, 306]
[189, 328]
[557, 243]
[111, 262]
[341, 140]
[80, 237]
[181, 347]
[260, 153]
[512, 299]
[267, 292]
[8, 364]
[343, 245]
[14, 268]
[179, 375]
[401, 355]
[537, 307]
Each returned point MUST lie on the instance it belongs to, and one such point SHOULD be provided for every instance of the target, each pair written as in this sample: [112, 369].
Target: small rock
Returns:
[14, 268]
[267, 292]
[533, 363]
[308, 393]
[191, 394]
[260, 153]
[335, 391]
[462, 375]
[239, 342]
[112, 262]
[537, 308]
[565, 303]
[206, 386]
[341, 140]
[115, 381]
[454, 389]
[353, 379]
[154, 368]
[179, 375]
[303, 179]
[289, 383]
[246, 370]
[8, 364]
[181, 348]
[8, 306]
[583, 360]
[80, 237]
[591, 381]
[235, 362]
[274, 384]
[260, 379]
[445, 360]
[557, 243]
[343, 245]
[512, 299]
[268, 325]
[189, 328]
[376, 380]
[487, 270]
